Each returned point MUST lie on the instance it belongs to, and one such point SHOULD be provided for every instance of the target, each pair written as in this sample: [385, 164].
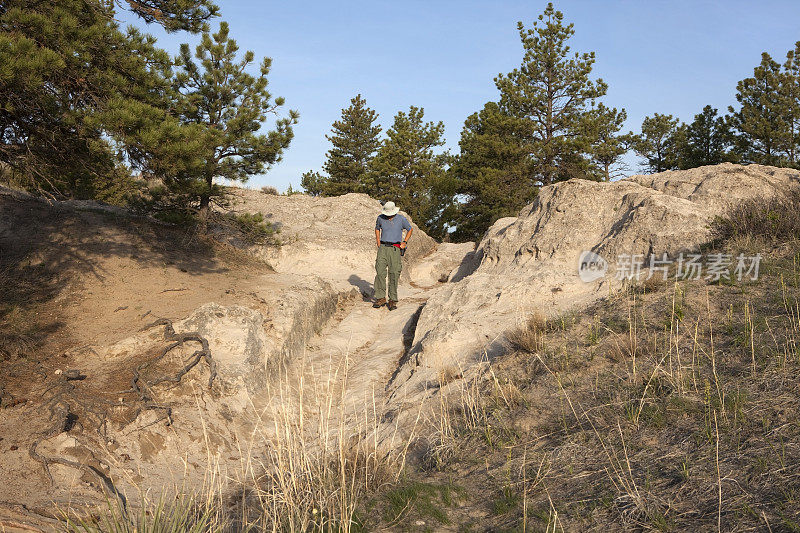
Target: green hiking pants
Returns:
[388, 258]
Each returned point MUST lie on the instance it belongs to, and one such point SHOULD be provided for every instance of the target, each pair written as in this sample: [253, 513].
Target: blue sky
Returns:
[656, 56]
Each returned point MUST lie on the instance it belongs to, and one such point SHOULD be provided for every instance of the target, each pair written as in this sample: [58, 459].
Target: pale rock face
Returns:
[529, 263]
[237, 339]
[440, 266]
[717, 186]
[331, 238]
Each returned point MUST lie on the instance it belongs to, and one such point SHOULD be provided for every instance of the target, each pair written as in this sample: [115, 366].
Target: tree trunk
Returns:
[205, 202]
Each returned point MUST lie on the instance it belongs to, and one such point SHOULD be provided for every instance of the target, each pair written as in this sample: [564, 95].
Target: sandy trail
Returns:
[112, 276]
[342, 377]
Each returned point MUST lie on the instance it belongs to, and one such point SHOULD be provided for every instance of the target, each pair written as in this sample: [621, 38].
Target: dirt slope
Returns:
[85, 285]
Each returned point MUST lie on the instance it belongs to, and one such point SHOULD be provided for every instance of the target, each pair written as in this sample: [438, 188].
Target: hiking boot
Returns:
[392, 305]
[379, 303]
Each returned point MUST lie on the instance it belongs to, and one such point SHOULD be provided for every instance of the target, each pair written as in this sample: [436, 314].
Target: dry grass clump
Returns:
[529, 337]
[448, 374]
[773, 218]
[181, 514]
[679, 410]
[269, 189]
[320, 458]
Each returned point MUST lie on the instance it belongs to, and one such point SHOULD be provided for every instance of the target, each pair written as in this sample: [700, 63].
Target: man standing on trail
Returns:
[391, 245]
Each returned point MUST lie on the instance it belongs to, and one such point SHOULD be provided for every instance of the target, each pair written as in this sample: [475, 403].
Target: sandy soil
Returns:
[81, 282]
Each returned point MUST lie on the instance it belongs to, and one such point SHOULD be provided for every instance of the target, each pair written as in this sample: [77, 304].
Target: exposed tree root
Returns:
[178, 340]
[19, 516]
[142, 387]
[64, 419]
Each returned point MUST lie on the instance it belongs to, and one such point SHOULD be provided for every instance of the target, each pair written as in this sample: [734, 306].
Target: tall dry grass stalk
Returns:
[318, 453]
[461, 409]
[311, 459]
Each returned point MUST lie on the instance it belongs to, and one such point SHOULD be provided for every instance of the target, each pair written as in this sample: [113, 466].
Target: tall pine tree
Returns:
[228, 106]
[410, 171]
[547, 97]
[355, 138]
[544, 128]
[763, 118]
[791, 91]
[76, 91]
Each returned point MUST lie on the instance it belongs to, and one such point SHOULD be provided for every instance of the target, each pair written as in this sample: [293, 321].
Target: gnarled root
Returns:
[63, 420]
[141, 387]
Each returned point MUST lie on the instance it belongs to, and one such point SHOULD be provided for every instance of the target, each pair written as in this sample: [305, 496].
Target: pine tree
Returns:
[707, 141]
[191, 15]
[547, 98]
[313, 183]
[409, 172]
[544, 128]
[355, 139]
[228, 106]
[76, 92]
[658, 142]
[606, 146]
[492, 172]
[791, 91]
[763, 119]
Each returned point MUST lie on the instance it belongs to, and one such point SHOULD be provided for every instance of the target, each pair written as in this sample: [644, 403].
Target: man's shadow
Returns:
[362, 285]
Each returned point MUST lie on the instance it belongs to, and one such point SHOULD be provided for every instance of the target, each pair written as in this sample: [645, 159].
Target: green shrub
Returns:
[252, 228]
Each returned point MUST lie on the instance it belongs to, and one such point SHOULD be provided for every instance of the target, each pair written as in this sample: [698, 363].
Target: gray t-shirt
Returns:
[392, 228]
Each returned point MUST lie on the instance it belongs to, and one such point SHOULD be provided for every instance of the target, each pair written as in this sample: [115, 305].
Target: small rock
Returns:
[419, 523]
[74, 375]
[59, 372]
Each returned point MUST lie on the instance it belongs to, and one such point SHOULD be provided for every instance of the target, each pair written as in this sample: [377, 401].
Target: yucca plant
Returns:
[183, 514]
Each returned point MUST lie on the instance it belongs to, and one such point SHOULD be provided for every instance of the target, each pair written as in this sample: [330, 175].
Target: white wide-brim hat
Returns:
[389, 209]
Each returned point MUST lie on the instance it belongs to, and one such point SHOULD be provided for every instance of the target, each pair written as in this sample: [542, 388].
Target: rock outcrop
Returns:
[529, 264]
